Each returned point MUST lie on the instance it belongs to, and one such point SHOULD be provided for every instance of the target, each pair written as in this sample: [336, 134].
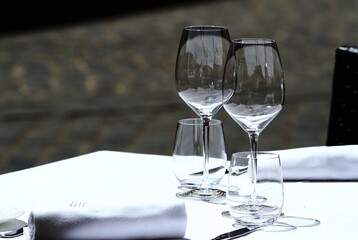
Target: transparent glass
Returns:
[255, 202]
[188, 161]
[199, 73]
[253, 87]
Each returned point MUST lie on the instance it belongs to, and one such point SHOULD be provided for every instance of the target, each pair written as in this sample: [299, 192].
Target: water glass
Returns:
[255, 198]
[188, 153]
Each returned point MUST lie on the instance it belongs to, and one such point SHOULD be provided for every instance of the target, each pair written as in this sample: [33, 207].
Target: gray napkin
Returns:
[320, 163]
[149, 221]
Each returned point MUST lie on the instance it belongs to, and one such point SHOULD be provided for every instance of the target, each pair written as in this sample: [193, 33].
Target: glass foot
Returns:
[269, 226]
[207, 195]
[227, 214]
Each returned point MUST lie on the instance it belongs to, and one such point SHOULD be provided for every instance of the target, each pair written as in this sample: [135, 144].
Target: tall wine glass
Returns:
[199, 76]
[254, 88]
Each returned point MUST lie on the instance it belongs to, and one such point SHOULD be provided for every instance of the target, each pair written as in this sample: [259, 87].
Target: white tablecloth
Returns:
[106, 174]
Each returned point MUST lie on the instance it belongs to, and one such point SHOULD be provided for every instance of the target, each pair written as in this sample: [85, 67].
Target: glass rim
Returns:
[208, 28]
[198, 121]
[251, 41]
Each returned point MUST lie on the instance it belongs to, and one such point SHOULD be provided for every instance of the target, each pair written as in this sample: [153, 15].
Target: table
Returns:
[334, 204]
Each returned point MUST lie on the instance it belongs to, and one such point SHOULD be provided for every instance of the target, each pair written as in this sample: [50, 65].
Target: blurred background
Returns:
[74, 82]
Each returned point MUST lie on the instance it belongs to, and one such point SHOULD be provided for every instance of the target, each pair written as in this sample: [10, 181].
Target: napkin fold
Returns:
[146, 221]
[320, 163]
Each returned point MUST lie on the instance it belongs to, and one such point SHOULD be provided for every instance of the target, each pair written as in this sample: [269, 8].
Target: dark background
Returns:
[102, 77]
[24, 17]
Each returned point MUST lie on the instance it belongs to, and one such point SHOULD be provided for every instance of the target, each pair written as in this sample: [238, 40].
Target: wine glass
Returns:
[199, 76]
[253, 90]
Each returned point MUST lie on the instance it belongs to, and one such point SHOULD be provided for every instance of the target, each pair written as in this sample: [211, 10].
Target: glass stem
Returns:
[206, 185]
[254, 137]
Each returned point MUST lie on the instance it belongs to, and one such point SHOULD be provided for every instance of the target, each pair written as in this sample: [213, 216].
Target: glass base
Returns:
[253, 221]
[283, 221]
[255, 209]
[270, 226]
[227, 214]
[207, 195]
[251, 215]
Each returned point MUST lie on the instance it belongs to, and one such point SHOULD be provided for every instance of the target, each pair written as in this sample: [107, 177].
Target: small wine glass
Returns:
[243, 206]
[199, 80]
[188, 154]
[254, 90]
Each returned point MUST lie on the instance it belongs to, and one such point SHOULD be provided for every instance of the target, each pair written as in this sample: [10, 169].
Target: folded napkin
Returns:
[320, 163]
[162, 219]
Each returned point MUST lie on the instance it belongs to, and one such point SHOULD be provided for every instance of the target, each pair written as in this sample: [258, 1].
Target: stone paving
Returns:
[109, 85]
